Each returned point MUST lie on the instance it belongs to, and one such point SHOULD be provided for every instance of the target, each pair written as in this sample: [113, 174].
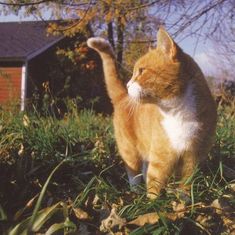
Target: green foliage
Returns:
[83, 191]
[225, 135]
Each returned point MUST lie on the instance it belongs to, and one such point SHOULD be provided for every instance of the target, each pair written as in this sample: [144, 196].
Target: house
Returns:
[28, 61]
[20, 43]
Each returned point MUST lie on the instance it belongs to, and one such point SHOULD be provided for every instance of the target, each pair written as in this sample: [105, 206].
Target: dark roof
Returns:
[20, 41]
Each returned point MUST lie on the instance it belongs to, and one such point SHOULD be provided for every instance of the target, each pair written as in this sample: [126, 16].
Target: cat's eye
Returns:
[141, 70]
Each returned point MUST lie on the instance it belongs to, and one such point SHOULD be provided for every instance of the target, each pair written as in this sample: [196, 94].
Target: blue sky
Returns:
[200, 52]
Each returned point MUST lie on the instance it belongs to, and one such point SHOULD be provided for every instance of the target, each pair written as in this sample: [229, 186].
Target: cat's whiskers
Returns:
[133, 102]
[132, 106]
[126, 104]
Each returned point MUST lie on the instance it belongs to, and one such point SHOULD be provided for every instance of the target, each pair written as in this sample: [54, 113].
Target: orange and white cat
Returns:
[165, 120]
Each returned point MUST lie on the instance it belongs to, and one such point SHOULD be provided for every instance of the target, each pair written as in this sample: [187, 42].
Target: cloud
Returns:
[205, 63]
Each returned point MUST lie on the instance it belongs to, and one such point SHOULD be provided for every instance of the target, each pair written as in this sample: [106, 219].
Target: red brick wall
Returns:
[10, 84]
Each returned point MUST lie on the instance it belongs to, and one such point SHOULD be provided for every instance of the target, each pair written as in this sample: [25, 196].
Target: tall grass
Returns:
[85, 188]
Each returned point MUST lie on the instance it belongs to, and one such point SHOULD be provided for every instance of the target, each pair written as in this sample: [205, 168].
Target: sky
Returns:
[200, 53]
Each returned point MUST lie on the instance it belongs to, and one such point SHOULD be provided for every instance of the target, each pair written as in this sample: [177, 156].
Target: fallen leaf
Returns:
[181, 194]
[221, 206]
[26, 121]
[28, 205]
[232, 187]
[112, 221]
[205, 220]
[141, 220]
[230, 224]
[21, 150]
[96, 201]
[80, 214]
[180, 208]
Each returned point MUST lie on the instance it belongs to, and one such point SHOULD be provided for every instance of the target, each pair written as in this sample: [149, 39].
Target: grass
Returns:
[65, 177]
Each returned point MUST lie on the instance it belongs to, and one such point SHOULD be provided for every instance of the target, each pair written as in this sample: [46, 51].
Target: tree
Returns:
[115, 19]
[125, 22]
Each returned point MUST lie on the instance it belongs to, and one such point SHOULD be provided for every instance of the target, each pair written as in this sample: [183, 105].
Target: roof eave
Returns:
[41, 50]
[13, 59]
[30, 56]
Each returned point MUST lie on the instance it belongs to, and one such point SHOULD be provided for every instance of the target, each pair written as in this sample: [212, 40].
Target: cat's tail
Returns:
[116, 90]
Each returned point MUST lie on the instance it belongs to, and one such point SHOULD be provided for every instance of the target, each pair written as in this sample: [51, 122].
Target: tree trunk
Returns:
[110, 34]
[89, 31]
[120, 36]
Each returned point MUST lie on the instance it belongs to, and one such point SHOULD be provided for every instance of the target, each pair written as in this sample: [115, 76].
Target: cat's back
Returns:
[206, 106]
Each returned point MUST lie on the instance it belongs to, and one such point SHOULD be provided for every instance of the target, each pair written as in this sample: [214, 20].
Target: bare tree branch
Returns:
[25, 4]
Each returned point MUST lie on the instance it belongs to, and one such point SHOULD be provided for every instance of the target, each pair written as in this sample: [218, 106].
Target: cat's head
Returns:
[158, 74]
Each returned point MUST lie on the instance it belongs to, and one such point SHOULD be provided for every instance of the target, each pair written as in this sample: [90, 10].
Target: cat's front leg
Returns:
[133, 169]
[158, 173]
[134, 177]
[130, 157]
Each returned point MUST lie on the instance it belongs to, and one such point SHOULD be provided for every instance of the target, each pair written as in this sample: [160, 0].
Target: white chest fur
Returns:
[179, 131]
[180, 122]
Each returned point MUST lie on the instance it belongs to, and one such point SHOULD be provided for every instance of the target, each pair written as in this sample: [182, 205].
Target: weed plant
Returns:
[65, 177]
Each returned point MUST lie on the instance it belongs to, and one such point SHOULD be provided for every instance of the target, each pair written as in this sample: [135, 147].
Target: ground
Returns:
[65, 177]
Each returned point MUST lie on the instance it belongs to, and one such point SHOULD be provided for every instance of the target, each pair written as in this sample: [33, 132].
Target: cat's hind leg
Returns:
[188, 166]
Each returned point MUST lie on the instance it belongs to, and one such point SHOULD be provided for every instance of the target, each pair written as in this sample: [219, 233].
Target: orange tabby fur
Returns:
[166, 121]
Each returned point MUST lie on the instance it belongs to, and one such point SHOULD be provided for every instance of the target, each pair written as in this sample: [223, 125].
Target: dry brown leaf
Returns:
[179, 208]
[204, 219]
[149, 218]
[80, 214]
[112, 221]
[26, 121]
[181, 194]
[104, 211]
[123, 232]
[229, 222]
[21, 150]
[221, 205]
[232, 187]
[96, 200]
[28, 205]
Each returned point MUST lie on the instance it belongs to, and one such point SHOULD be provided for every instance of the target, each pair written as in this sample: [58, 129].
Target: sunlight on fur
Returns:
[166, 117]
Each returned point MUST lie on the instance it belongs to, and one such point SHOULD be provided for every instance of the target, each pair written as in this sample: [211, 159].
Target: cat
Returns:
[165, 118]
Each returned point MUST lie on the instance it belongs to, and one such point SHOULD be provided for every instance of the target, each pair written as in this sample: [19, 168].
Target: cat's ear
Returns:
[166, 44]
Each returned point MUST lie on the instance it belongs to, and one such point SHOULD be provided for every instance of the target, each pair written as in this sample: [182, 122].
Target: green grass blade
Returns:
[3, 215]
[41, 195]
[81, 197]
[55, 228]
[21, 228]
[159, 231]
[40, 219]
[192, 198]
[146, 229]
[43, 216]
[163, 220]
[69, 226]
